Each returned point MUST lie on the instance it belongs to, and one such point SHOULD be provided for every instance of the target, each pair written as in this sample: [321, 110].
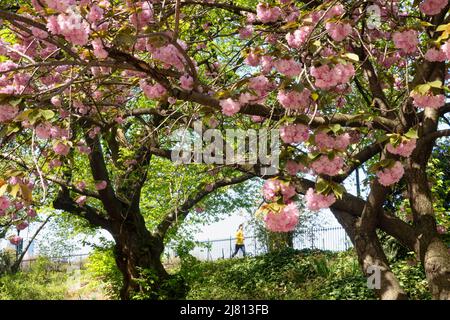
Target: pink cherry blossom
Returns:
[187, 82]
[31, 213]
[316, 201]
[428, 101]
[435, 55]
[407, 41]
[252, 59]
[81, 185]
[293, 167]
[81, 200]
[446, 49]
[330, 167]
[283, 221]
[267, 14]
[404, 149]
[389, 176]
[294, 100]
[4, 203]
[61, 149]
[155, 91]
[297, 38]
[142, 14]
[288, 67]
[260, 85]
[328, 77]
[71, 25]
[169, 55]
[15, 240]
[246, 32]
[274, 188]
[338, 31]
[8, 112]
[95, 14]
[99, 49]
[230, 107]
[101, 185]
[323, 141]
[266, 64]
[433, 7]
[441, 229]
[21, 226]
[294, 133]
[56, 101]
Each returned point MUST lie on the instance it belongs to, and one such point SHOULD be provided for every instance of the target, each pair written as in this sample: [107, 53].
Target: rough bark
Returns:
[370, 253]
[138, 256]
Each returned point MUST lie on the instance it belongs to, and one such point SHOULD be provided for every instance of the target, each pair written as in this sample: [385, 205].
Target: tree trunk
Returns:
[138, 256]
[431, 250]
[371, 255]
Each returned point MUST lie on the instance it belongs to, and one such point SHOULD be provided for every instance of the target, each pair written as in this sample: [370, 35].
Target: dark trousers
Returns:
[237, 248]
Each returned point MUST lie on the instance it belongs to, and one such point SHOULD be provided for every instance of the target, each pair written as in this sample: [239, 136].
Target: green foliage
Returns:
[40, 282]
[172, 288]
[292, 274]
[102, 267]
[411, 277]
[7, 258]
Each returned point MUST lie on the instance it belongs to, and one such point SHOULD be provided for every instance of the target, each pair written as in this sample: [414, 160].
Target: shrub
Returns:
[101, 266]
[39, 282]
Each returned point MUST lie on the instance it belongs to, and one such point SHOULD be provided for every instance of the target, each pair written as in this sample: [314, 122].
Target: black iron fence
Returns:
[332, 239]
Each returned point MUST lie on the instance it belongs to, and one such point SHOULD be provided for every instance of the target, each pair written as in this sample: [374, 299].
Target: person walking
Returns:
[239, 241]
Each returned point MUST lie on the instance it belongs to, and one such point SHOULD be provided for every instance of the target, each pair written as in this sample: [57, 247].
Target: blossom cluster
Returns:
[155, 91]
[297, 38]
[230, 107]
[267, 14]
[328, 77]
[71, 25]
[293, 99]
[407, 41]
[428, 101]
[8, 112]
[391, 175]
[325, 165]
[275, 188]
[324, 141]
[316, 201]
[404, 149]
[338, 31]
[283, 221]
[294, 133]
[433, 7]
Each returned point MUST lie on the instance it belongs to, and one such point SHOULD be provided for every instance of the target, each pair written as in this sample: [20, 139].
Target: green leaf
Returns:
[322, 186]
[412, 134]
[47, 114]
[352, 56]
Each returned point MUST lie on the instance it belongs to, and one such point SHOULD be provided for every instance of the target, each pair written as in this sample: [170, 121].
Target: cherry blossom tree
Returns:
[90, 90]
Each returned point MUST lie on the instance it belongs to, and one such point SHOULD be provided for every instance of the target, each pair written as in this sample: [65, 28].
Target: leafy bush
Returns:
[101, 266]
[40, 282]
[7, 258]
[292, 274]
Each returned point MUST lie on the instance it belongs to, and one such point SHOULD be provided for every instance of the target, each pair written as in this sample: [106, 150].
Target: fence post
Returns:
[254, 240]
[207, 253]
[230, 246]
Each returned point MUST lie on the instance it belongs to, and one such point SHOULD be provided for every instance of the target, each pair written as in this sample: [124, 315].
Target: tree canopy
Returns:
[91, 91]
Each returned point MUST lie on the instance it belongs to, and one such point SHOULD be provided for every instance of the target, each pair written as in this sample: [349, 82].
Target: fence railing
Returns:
[332, 239]
[75, 260]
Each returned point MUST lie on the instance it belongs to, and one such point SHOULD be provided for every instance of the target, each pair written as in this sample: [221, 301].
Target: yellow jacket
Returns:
[240, 237]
